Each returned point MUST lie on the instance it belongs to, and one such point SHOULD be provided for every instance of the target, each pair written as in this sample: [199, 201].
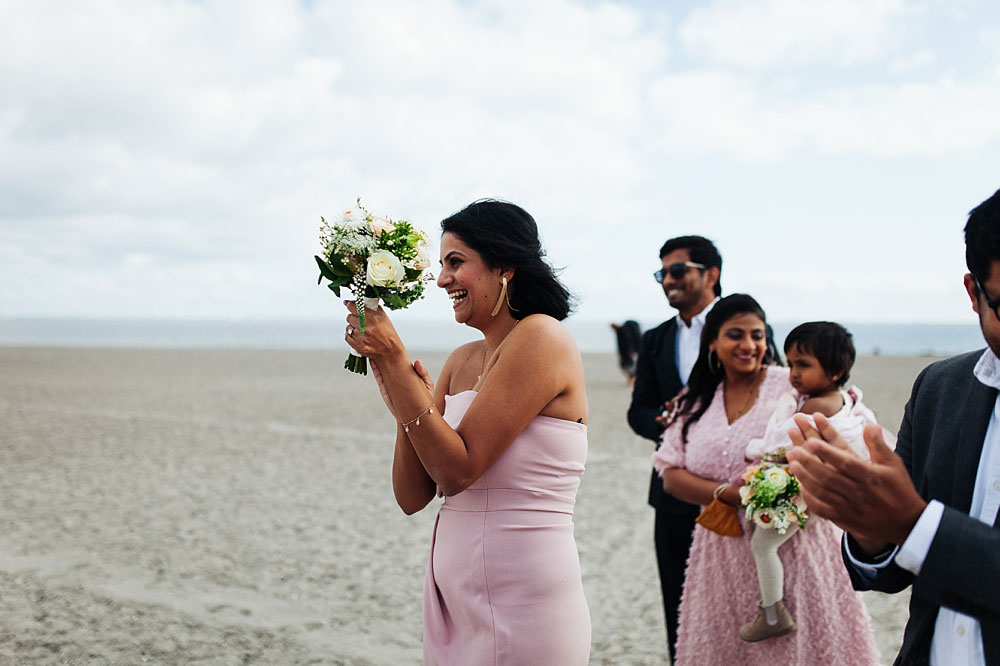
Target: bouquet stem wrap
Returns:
[359, 364]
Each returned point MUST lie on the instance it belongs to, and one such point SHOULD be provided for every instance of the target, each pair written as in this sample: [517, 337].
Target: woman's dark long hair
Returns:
[506, 236]
[704, 379]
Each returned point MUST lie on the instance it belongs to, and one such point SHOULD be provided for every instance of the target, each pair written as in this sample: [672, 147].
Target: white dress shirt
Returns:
[689, 341]
[957, 637]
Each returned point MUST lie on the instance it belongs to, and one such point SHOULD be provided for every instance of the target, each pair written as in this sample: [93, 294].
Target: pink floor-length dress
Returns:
[503, 583]
[720, 585]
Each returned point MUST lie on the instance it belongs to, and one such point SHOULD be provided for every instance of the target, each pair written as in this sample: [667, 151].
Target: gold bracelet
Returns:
[406, 426]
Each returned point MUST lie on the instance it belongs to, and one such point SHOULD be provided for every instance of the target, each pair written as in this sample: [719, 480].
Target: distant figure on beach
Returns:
[627, 336]
[503, 436]
[730, 396]
[820, 356]
[926, 514]
[690, 279]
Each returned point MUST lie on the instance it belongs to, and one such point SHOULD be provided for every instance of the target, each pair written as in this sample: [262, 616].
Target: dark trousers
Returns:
[672, 535]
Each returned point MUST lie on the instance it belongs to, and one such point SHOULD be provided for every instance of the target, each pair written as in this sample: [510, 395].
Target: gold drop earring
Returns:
[503, 294]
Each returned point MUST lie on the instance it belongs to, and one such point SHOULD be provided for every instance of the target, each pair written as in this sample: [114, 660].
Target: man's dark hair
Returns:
[982, 237]
[701, 250]
[829, 342]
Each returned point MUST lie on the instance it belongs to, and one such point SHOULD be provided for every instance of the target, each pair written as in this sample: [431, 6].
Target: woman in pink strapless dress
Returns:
[504, 578]
[502, 436]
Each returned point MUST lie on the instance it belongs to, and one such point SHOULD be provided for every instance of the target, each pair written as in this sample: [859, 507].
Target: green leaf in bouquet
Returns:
[393, 301]
[335, 285]
[325, 271]
[339, 267]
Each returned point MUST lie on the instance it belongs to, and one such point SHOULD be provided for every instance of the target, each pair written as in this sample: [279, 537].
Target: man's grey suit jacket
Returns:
[941, 441]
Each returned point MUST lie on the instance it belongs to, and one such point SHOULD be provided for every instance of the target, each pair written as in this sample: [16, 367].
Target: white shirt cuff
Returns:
[913, 552]
[870, 567]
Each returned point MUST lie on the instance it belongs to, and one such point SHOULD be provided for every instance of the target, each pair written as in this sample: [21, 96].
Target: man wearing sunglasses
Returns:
[926, 515]
[689, 277]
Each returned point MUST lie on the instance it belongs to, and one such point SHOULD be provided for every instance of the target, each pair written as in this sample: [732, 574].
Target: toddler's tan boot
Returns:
[771, 622]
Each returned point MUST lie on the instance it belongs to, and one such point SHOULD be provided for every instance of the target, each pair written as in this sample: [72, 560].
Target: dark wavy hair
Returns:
[982, 237]
[829, 342]
[506, 236]
[704, 380]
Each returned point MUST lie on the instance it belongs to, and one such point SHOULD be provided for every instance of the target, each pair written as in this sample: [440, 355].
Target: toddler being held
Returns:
[820, 357]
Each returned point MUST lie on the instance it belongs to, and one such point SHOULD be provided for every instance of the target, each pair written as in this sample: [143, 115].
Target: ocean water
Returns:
[419, 335]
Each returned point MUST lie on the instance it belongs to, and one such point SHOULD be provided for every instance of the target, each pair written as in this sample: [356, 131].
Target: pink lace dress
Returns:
[720, 586]
[503, 583]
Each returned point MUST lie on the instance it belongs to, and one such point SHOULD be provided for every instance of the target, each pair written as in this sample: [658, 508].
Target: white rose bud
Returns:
[379, 225]
[384, 269]
[776, 477]
[423, 260]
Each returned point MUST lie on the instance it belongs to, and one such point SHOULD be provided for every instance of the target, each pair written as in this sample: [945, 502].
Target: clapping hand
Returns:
[875, 501]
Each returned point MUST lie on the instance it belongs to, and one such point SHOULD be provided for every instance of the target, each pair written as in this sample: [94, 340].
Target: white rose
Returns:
[379, 225]
[776, 477]
[384, 269]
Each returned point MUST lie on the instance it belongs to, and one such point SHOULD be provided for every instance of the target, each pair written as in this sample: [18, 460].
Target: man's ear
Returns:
[712, 275]
[970, 287]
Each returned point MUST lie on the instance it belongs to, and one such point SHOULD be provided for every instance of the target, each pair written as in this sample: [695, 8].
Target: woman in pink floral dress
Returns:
[728, 401]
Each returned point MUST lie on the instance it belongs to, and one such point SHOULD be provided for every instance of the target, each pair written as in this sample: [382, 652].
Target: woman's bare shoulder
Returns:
[457, 359]
[463, 352]
[544, 331]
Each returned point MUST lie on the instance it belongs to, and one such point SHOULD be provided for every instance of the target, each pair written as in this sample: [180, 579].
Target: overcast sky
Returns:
[172, 159]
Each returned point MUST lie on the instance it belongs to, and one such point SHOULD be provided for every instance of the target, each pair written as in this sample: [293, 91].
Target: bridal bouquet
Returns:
[771, 497]
[377, 259]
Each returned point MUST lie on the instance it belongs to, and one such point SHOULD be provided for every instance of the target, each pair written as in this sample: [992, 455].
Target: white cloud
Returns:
[711, 112]
[173, 158]
[912, 62]
[793, 34]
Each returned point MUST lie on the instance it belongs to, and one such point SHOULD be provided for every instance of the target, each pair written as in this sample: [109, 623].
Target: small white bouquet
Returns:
[377, 258]
[771, 496]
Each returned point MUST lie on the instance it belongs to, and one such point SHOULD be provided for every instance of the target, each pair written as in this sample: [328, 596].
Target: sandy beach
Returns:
[234, 507]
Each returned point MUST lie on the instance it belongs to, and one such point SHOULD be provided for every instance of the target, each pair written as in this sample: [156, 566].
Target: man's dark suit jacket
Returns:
[941, 441]
[656, 381]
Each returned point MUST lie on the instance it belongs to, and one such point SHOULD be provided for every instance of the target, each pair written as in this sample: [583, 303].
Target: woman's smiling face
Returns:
[470, 283]
[741, 344]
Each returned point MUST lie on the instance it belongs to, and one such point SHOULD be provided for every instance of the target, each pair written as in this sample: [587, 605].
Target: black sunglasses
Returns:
[992, 303]
[676, 271]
